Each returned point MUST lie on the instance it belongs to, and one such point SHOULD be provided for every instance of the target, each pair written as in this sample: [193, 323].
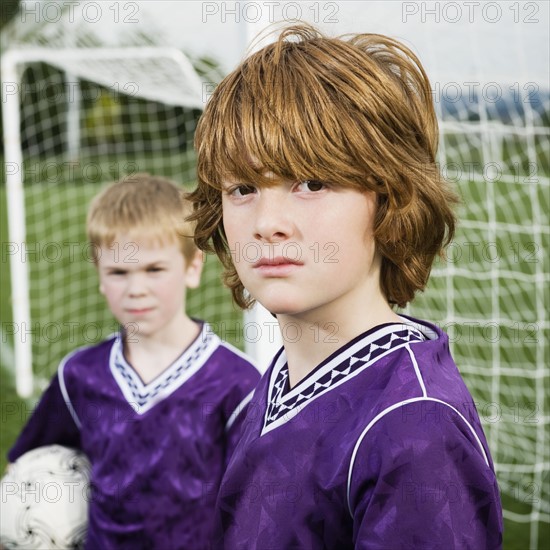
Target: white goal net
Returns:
[491, 295]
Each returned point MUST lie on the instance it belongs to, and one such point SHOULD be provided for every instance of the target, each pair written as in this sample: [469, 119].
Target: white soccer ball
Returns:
[44, 499]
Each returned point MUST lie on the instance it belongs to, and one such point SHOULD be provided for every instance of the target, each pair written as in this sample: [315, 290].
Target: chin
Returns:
[281, 307]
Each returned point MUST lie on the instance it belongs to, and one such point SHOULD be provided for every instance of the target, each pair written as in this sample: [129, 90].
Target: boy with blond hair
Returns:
[155, 407]
[319, 153]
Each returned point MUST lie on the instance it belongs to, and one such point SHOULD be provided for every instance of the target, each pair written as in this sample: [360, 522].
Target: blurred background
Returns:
[92, 91]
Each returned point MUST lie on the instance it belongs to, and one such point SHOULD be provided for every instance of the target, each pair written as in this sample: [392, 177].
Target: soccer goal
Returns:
[75, 120]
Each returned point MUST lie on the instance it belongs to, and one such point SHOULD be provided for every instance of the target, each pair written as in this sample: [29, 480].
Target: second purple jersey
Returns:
[158, 450]
[379, 447]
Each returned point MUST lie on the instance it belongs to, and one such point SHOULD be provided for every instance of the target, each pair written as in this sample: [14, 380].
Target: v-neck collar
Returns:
[342, 365]
[143, 396]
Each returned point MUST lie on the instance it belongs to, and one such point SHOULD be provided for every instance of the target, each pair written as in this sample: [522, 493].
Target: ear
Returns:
[193, 269]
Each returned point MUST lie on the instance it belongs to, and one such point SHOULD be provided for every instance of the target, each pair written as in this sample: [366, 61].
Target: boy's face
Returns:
[145, 283]
[302, 248]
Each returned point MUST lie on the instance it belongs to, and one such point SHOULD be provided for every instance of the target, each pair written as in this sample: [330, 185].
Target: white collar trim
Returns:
[142, 397]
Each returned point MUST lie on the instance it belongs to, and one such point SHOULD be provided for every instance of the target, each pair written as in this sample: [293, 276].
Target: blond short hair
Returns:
[354, 111]
[142, 206]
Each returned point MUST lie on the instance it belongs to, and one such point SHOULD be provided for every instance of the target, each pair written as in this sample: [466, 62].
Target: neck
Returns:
[308, 339]
[149, 355]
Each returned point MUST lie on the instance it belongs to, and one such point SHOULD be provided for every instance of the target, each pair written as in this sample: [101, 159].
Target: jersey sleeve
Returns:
[50, 423]
[421, 479]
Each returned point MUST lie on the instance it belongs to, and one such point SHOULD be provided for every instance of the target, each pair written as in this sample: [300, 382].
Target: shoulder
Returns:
[225, 367]
[417, 437]
[238, 358]
[234, 369]
[420, 422]
[430, 366]
[425, 400]
[422, 464]
[86, 357]
[227, 358]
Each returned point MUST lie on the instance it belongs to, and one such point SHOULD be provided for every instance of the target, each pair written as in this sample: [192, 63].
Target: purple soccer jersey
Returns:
[158, 450]
[379, 447]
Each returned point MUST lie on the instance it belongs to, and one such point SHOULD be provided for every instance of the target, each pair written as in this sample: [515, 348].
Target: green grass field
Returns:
[64, 291]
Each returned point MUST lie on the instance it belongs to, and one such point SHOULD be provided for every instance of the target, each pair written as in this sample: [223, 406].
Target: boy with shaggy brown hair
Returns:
[156, 406]
[318, 155]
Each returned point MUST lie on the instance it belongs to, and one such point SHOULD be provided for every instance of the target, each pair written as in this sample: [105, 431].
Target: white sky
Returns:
[505, 41]
[468, 38]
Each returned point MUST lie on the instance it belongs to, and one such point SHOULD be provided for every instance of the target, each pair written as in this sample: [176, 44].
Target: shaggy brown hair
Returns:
[355, 111]
[144, 207]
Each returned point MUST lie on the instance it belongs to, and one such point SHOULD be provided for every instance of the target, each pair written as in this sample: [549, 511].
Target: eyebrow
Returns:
[123, 265]
[114, 267]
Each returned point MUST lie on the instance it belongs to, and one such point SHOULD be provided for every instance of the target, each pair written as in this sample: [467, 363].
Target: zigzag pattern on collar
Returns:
[278, 406]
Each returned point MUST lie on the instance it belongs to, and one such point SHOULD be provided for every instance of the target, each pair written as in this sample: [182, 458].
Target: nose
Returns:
[273, 218]
[136, 285]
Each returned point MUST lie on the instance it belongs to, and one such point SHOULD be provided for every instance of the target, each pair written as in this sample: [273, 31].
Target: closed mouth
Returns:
[272, 262]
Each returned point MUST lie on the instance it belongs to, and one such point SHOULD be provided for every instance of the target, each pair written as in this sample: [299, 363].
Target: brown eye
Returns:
[242, 190]
[312, 185]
